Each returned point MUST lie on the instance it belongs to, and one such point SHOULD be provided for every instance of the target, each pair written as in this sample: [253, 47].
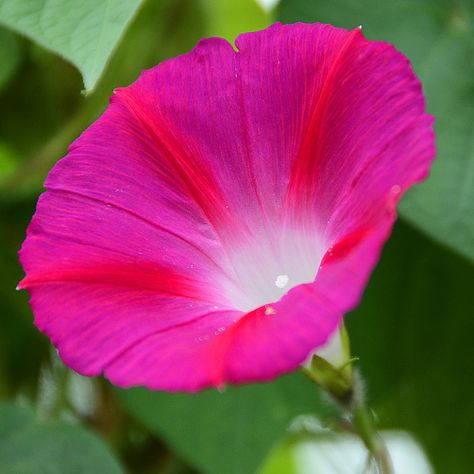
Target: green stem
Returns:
[346, 389]
[364, 425]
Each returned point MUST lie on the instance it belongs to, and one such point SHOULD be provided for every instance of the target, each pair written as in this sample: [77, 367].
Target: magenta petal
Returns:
[225, 212]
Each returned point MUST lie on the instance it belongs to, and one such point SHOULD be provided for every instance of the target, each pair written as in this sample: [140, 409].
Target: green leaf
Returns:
[438, 37]
[227, 432]
[161, 29]
[9, 56]
[281, 460]
[413, 334]
[28, 447]
[85, 32]
[229, 18]
[8, 160]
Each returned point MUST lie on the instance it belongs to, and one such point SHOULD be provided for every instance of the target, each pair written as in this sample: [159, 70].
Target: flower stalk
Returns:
[345, 388]
[364, 425]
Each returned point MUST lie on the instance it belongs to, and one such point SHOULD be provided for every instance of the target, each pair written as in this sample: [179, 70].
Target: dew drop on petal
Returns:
[396, 189]
[269, 310]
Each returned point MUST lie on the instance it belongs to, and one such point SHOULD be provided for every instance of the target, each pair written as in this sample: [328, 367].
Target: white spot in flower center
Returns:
[281, 281]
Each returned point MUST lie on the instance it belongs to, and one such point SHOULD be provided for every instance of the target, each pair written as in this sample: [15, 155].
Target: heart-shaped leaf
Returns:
[28, 447]
[85, 32]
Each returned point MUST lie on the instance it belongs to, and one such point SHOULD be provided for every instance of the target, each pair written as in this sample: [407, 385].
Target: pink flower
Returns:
[217, 221]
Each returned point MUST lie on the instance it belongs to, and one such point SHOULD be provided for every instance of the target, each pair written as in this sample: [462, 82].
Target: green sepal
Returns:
[336, 381]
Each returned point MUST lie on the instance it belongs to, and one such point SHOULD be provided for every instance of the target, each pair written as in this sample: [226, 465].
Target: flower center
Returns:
[266, 270]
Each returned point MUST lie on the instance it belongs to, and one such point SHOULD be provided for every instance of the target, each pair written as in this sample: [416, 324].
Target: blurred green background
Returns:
[413, 331]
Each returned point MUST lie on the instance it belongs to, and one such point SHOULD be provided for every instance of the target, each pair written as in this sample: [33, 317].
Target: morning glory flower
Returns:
[218, 220]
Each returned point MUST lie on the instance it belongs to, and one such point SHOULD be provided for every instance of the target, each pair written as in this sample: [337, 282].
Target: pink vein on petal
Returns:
[153, 278]
[306, 161]
[197, 180]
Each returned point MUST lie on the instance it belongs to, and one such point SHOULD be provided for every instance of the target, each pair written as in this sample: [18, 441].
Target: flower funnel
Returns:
[218, 220]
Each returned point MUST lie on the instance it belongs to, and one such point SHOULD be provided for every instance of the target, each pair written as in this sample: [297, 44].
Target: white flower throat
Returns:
[265, 271]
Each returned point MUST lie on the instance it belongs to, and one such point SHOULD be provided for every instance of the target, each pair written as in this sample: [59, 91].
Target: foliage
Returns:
[83, 32]
[240, 425]
[29, 447]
